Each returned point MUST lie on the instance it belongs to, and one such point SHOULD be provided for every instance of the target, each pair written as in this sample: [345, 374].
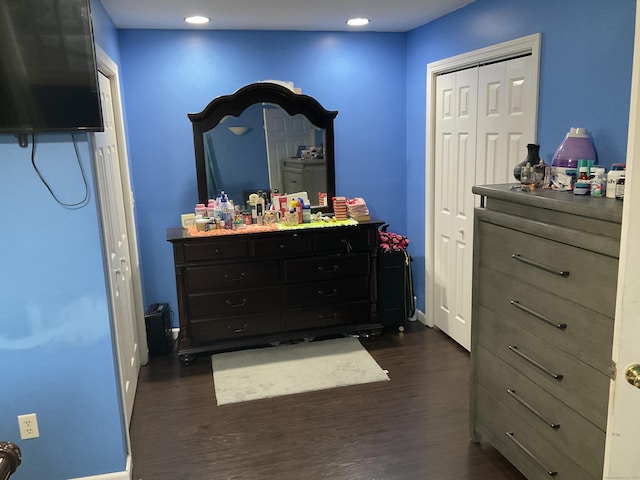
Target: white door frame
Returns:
[502, 51]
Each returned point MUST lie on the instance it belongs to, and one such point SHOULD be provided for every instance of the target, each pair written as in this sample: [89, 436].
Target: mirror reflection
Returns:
[265, 138]
[265, 149]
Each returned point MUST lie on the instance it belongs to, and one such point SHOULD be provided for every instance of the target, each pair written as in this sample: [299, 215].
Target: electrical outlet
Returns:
[28, 426]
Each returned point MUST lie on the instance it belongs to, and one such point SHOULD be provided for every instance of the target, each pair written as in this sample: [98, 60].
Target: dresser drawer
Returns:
[342, 240]
[579, 331]
[327, 316]
[282, 245]
[329, 292]
[326, 268]
[584, 277]
[233, 302]
[554, 421]
[522, 446]
[214, 250]
[232, 276]
[573, 382]
[228, 328]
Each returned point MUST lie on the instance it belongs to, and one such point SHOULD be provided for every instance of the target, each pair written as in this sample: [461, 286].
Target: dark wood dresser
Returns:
[249, 288]
[545, 274]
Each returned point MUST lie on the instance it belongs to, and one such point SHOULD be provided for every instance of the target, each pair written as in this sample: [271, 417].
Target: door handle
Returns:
[633, 375]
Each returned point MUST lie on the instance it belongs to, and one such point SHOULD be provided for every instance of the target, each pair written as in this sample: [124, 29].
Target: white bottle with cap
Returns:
[617, 171]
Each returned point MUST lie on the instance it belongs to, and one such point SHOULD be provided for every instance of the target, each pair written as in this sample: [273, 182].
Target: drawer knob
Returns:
[512, 437]
[238, 330]
[557, 376]
[236, 304]
[237, 278]
[525, 260]
[323, 269]
[527, 405]
[633, 375]
[328, 293]
[539, 316]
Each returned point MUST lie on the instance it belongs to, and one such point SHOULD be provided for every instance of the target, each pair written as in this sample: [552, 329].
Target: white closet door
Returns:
[484, 119]
[506, 119]
[455, 152]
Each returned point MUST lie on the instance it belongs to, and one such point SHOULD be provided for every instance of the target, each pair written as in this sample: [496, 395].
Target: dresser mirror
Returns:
[264, 137]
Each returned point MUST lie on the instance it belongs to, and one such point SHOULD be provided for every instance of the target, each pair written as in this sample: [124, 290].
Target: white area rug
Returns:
[292, 368]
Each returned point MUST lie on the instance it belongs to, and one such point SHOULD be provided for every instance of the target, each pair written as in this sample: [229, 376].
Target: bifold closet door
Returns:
[485, 116]
[455, 152]
[506, 119]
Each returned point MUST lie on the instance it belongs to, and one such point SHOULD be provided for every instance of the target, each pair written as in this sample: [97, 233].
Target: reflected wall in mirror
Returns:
[264, 137]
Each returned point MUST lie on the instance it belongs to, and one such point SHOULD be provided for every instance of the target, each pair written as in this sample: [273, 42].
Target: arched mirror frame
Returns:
[234, 104]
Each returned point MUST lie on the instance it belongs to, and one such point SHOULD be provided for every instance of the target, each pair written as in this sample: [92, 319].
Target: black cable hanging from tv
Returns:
[76, 205]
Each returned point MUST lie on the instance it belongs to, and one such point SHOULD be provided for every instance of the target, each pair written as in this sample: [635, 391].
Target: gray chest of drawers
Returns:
[544, 292]
[241, 289]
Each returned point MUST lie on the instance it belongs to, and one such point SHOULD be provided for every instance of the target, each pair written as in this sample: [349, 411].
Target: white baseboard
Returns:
[421, 317]
[125, 475]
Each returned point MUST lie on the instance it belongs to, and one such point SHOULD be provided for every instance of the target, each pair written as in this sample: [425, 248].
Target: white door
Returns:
[455, 175]
[116, 241]
[506, 119]
[623, 426]
[283, 134]
[485, 116]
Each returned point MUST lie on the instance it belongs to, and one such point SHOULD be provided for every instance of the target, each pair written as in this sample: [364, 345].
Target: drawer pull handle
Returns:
[520, 258]
[216, 251]
[515, 350]
[333, 316]
[238, 330]
[516, 397]
[323, 269]
[234, 305]
[512, 437]
[347, 244]
[234, 279]
[539, 316]
[330, 293]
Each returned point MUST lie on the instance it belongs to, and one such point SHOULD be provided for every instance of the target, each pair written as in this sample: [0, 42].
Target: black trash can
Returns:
[157, 320]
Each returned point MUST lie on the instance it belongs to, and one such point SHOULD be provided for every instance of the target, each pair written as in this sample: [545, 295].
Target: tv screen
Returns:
[48, 74]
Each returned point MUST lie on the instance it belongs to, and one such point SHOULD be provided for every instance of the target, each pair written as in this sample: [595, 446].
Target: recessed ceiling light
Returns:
[197, 20]
[357, 22]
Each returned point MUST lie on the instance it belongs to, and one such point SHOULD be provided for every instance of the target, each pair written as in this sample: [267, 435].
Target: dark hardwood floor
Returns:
[414, 427]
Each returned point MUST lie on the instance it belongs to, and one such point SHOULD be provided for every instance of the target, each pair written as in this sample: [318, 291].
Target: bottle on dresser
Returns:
[617, 171]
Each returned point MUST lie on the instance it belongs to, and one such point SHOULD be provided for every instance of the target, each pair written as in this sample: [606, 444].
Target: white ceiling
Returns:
[310, 15]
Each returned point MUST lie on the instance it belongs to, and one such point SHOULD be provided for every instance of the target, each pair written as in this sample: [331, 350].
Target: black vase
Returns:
[533, 158]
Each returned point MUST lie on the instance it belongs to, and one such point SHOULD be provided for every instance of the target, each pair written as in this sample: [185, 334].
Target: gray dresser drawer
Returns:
[589, 278]
[573, 382]
[554, 421]
[523, 446]
[579, 331]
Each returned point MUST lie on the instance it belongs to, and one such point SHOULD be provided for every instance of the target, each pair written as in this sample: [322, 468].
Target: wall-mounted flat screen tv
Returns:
[48, 74]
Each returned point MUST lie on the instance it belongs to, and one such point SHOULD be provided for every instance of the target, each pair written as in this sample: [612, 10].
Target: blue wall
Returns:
[168, 74]
[55, 335]
[585, 80]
